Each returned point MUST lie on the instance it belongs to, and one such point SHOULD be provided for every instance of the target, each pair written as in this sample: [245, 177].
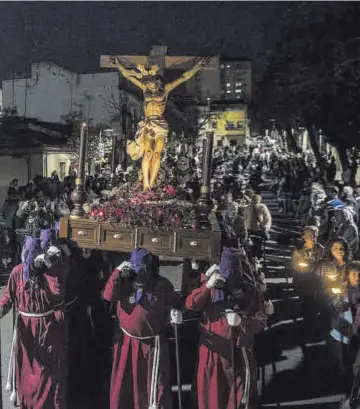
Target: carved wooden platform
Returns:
[199, 244]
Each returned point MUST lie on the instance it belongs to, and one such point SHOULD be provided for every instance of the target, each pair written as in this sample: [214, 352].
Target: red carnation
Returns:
[170, 190]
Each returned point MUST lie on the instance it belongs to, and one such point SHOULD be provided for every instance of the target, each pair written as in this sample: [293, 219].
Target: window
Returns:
[238, 91]
[213, 124]
[222, 66]
[219, 143]
[229, 126]
[238, 84]
[233, 143]
[228, 84]
[228, 66]
[228, 91]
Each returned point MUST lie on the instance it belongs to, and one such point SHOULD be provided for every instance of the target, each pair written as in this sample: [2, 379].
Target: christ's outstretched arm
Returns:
[187, 74]
[129, 74]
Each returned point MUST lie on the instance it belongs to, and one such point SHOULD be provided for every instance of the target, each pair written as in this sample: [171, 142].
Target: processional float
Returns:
[114, 227]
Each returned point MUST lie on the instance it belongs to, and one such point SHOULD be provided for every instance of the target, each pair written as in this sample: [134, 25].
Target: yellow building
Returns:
[230, 127]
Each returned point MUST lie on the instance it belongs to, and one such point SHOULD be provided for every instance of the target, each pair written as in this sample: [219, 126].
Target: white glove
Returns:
[233, 319]
[176, 316]
[124, 269]
[211, 270]
[194, 264]
[42, 259]
[269, 308]
[212, 280]
[54, 251]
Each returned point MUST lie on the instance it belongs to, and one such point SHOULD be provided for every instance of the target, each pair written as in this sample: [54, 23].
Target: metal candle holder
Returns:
[78, 196]
[204, 204]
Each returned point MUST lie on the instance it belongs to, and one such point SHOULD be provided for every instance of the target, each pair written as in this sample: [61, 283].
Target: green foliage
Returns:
[313, 77]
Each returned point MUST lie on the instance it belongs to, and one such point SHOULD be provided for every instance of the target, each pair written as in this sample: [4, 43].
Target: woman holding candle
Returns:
[334, 299]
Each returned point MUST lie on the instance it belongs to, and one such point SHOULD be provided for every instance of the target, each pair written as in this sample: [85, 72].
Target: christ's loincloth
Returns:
[150, 129]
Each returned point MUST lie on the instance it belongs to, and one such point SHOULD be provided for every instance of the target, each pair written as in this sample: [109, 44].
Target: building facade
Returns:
[52, 93]
[236, 80]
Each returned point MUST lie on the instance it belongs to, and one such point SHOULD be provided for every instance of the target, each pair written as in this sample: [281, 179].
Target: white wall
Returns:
[53, 161]
[53, 92]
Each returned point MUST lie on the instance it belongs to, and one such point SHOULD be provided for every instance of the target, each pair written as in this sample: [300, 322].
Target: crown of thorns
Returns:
[145, 72]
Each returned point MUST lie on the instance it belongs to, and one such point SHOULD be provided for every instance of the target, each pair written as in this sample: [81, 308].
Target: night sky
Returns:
[75, 34]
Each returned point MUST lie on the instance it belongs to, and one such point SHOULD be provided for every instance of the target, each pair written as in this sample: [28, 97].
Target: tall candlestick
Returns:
[78, 196]
[203, 158]
[204, 204]
[208, 159]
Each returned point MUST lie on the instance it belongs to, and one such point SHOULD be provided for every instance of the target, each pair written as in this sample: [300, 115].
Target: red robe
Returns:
[215, 381]
[133, 358]
[39, 350]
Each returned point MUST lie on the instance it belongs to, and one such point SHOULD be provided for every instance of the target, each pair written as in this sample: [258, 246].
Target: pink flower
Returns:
[170, 190]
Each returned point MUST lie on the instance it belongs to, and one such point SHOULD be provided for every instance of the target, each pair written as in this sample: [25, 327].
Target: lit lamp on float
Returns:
[78, 196]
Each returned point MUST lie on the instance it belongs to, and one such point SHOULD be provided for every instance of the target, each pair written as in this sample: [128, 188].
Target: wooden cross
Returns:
[171, 62]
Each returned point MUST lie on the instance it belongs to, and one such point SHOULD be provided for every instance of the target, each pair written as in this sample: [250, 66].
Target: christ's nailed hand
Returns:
[205, 61]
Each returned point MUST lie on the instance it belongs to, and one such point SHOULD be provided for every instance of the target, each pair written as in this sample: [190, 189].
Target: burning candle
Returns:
[336, 291]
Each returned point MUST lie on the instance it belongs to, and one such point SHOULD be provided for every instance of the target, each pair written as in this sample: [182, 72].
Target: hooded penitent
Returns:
[230, 264]
[31, 250]
[146, 267]
[46, 239]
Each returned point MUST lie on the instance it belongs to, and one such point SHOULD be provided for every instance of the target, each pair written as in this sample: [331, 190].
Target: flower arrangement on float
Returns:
[128, 206]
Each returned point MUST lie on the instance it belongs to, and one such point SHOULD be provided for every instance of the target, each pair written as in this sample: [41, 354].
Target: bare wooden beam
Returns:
[129, 61]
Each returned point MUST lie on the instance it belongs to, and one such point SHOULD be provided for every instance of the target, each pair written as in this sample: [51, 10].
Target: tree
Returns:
[99, 145]
[312, 79]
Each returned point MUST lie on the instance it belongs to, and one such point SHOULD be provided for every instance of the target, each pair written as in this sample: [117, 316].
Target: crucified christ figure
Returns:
[152, 132]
